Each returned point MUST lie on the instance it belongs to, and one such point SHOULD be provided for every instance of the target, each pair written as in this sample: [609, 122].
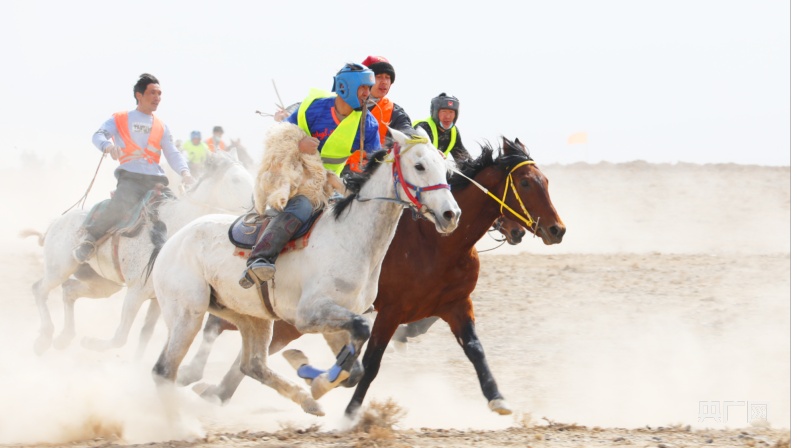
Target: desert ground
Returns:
[661, 320]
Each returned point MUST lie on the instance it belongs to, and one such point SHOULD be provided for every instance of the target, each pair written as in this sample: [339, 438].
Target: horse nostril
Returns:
[554, 230]
[449, 215]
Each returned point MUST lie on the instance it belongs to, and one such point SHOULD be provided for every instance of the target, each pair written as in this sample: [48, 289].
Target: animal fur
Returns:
[285, 172]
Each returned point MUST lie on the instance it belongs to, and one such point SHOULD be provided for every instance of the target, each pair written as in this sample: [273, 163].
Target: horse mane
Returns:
[214, 164]
[355, 181]
[512, 154]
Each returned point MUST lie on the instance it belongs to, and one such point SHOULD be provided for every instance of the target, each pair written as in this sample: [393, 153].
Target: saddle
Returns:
[131, 223]
[247, 228]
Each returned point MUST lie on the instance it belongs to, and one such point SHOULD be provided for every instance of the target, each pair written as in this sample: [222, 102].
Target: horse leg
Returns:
[329, 317]
[462, 324]
[336, 342]
[56, 272]
[153, 313]
[224, 390]
[413, 329]
[194, 371]
[384, 327]
[256, 335]
[283, 334]
[134, 298]
[94, 287]
[183, 325]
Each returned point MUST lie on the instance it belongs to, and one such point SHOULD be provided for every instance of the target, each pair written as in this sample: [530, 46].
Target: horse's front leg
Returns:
[329, 317]
[283, 333]
[256, 336]
[384, 326]
[134, 298]
[460, 319]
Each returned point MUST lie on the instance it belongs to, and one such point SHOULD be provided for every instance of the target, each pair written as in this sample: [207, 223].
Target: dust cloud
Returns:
[671, 289]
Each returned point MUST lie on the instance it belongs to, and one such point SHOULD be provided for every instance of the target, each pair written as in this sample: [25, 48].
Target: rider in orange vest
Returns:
[386, 112]
[136, 139]
[215, 141]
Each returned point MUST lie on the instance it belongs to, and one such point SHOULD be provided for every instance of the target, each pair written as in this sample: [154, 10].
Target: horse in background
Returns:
[410, 291]
[322, 288]
[225, 187]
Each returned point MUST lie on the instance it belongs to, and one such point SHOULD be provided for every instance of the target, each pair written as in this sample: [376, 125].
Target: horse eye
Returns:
[524, 182]
[419, 167]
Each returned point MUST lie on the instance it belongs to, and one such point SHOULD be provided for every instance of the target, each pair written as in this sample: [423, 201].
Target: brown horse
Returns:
[510, 185]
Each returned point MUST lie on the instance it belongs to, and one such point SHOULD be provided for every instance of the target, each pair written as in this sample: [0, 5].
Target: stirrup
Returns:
[78, 252]
[260, 271]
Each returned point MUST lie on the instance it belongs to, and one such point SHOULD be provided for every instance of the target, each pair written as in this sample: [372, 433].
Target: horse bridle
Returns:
[414, 203]
[527, 219]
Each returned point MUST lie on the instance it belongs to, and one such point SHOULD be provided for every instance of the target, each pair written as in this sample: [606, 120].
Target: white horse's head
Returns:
[420, 176]
[225, 185]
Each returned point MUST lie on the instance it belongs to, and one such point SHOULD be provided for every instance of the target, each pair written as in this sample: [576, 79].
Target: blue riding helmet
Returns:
[444, 101]
[349, 79]
[196, 134]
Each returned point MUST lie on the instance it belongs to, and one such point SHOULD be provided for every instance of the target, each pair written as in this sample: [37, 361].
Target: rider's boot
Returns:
[260, 265]
[83, 252]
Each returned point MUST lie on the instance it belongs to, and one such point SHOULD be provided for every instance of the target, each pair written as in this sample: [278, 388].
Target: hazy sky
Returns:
[700, 81]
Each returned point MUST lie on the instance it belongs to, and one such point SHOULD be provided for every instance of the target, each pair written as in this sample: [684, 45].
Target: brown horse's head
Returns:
[527, 193]
[512, 231]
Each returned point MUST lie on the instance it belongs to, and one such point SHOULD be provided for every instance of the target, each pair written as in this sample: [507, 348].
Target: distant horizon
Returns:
[696, 82]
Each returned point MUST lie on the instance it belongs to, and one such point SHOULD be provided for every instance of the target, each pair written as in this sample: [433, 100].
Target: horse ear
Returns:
[422, 132]
[398, 136]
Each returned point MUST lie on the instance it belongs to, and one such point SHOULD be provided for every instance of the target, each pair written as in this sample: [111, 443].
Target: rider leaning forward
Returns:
[333, 126]
[136, 139]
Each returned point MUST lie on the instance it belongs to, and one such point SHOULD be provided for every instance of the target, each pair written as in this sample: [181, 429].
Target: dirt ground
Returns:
[662, 320]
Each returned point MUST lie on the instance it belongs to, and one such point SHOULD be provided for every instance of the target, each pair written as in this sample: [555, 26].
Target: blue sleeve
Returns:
[172, 154]
[293, 117]
[102, 138]
[372, 141]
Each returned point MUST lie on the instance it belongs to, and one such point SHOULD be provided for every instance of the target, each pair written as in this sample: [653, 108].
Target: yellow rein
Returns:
[509, 182]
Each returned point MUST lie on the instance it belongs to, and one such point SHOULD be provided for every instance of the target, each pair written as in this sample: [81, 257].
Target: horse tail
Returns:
[157, 234]
[24, 233]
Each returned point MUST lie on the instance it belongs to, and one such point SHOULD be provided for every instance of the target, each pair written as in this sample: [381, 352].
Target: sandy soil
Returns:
[668, 299]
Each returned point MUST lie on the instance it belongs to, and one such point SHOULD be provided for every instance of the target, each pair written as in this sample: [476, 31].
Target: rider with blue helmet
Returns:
[333, 125]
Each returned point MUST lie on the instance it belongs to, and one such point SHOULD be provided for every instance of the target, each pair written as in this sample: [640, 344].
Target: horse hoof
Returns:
[321, 384]
[62, 342]
[41, 345]
[500, 406]
[187, 376]
[312, 407]
[207, 392]
[94, 344]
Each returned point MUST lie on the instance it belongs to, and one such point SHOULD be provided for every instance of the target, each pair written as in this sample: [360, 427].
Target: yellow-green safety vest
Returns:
[338, 146]
[433, 127]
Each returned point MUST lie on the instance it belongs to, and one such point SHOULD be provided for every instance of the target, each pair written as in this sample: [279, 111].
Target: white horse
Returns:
[322, 288]
[225, 187]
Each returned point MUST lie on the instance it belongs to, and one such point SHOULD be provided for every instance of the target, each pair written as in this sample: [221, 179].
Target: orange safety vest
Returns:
[383, 112]
[131, 151]
[212, 146]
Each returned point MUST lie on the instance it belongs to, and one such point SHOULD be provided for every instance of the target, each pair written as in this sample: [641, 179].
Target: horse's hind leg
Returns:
[460, 319]
[54, 275]
[256, 335]
[195, 369]
[153, 313]
[94, 287]
[134, 298]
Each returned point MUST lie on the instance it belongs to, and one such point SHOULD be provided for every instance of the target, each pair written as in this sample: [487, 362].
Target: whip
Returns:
[82, 200]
